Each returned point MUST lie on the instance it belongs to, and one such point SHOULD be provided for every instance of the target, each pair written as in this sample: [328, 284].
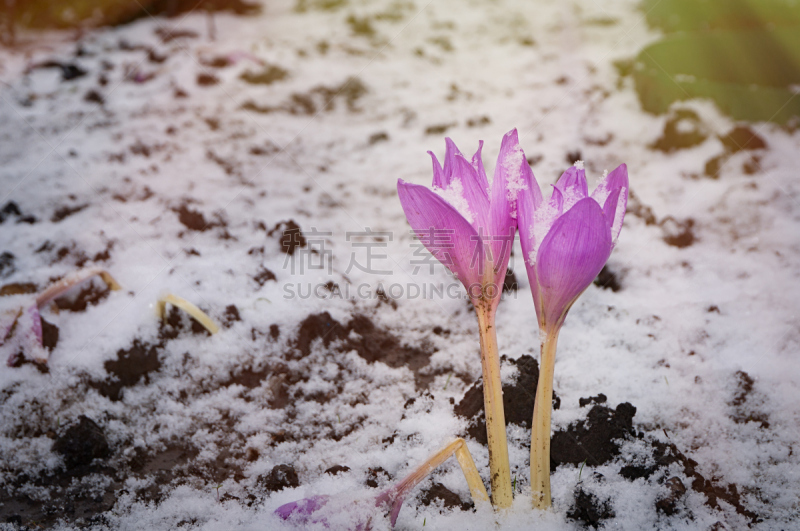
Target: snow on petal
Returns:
[611, 181]
[573, 186]
[543, 219]
[454, 194]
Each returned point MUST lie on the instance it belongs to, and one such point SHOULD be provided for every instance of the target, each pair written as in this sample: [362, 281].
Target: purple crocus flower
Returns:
[566, 241]
[466, 224]
[469, 226]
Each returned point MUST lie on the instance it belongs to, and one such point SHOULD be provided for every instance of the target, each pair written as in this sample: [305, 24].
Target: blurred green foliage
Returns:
[742, 54]
[699, 15]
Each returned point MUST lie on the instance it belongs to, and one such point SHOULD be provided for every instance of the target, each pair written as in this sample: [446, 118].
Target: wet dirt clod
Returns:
[438, 493]
[279, 478]
[336, 469]
[587, 508]
[191, 219]
[82, 443]
[269, 75]
[607, 279]
[291, 236]
[372, 343]
[66, 211]
[742, 137]
[49, 335]
[263, 276]
[678, 233]
[593, 440]
[599, 399]
[131, 365]
[681, 131]
[231, 315]
[669, 504]
[89, 295]
[18, 288]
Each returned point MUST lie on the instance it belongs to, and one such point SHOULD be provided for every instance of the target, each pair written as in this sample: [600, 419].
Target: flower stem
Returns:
[59, 288]
[189, 308]
[540, 431]
[502, 495]
[393, 497]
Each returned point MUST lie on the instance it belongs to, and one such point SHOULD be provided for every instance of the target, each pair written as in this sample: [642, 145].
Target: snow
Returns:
[514, 183]
[454, 194]
[654, 343]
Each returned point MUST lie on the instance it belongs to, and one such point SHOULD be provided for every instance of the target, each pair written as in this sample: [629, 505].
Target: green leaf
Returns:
[751, 74]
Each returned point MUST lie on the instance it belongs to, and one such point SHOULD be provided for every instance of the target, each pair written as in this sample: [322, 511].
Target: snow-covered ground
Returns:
[702, 336]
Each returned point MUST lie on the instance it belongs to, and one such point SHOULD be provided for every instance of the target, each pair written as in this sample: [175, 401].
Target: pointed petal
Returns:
[438, 175]
[570, 257]
[528, 201]
[477, 163]
[610, 208]
[572, 184]
[613, 181]
[443, 231]
[472, 191]
[614, 210]
[557, 200]
[512, 176]
[451, 152]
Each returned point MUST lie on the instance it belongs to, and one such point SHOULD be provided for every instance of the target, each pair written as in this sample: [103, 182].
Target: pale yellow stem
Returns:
[57, 289]
[540, 430]
[500, 479]
[459, 447]
[189, 308]
[476, 487]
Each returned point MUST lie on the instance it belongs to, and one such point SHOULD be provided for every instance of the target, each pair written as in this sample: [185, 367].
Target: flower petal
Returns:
[465, 178]
[528, 201]
[572, 184]
[512, 177]
[614, 210]
[443, 231]
[557, 200]
[477, 163]
[570, 257]
[613, 181]
[612, 194]
[438, 175]
[450, 154]
[303, 509]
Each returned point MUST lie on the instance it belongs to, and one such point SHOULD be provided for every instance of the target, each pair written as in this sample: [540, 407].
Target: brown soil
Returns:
[518, 399]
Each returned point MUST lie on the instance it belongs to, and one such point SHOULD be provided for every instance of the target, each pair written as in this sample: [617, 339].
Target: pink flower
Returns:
[567, 239]
[464, 222]
[469, 227]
